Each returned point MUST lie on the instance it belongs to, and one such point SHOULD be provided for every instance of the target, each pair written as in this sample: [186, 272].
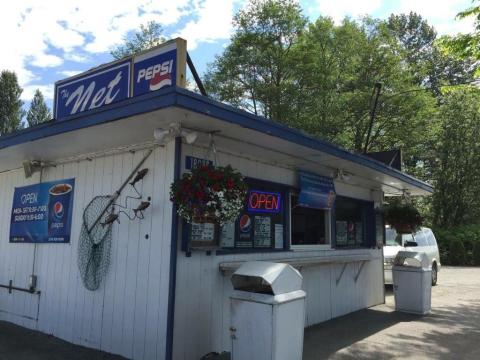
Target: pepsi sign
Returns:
[42, 213]
[93, 89]
[160, 67]
[155, 69]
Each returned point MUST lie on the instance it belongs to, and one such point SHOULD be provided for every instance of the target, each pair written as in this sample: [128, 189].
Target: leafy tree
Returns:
[457, 253]
[339, 67]
[11, 112]
[457, 173]
[147, 37]
[476, 253]
[467, 45]
[38, 111]
[431, 66]
[255, 71]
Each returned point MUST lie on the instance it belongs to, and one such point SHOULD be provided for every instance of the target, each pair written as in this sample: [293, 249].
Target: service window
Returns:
[261, 225]
[350, 220]
[309, 226]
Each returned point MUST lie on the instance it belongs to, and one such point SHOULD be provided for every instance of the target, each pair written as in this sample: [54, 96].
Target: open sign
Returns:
[264, 201]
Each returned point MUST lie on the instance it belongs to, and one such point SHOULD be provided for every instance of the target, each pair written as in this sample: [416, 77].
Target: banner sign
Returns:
[155, 69]
[42, 213]
[160, 67]
[316, 191]
[264, 201]
[92, 90]
[192, 162]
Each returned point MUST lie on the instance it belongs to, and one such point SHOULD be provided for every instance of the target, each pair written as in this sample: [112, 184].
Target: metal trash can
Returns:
[267, 312]
[412, 282]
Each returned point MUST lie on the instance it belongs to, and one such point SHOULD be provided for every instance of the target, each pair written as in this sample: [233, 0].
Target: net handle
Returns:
[118, 192]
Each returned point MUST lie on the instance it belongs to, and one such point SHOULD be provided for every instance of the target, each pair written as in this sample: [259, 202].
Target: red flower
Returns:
[216, 187]
[199, 195]
[230, 184]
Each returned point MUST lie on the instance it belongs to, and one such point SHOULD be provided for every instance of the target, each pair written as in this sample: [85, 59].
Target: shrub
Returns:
[476, 253]
[457, 253]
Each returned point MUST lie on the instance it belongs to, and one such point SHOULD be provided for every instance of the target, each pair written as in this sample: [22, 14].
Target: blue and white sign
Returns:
[155, 70]
[192, 162]
[93, 89]
[316, 191]
[42, 213]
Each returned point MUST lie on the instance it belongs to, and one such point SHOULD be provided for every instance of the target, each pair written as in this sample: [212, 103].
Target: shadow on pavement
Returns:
[449, 332]
[18, 343]
[325, 339]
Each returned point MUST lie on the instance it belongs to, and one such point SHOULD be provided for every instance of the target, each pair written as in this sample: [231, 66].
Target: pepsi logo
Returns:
[158, 75]
[160, 81]
[245, 223]
[58, 210]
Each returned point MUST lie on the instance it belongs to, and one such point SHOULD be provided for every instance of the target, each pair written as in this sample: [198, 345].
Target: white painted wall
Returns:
[127, 315]
[202, 308]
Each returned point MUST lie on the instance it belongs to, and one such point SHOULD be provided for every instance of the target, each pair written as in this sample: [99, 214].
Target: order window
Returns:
[261, 225]
[350, 219]
[308, 226]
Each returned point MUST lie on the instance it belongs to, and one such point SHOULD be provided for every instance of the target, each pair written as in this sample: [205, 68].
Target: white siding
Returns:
[202, 308]
[127, 315]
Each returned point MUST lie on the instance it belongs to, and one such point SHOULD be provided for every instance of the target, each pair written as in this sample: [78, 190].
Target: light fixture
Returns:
[343, 175]
[32, 166]
[174, 130]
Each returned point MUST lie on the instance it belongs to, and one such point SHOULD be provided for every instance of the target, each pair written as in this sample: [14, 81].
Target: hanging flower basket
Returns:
[209, 195]
[402, 216]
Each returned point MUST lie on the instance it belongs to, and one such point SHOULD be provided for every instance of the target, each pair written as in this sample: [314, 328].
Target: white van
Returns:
[421, 241]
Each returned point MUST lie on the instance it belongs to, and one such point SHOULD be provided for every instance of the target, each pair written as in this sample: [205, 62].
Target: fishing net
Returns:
[95, 242]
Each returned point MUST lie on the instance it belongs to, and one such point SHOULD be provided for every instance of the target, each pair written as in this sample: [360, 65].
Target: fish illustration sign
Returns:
[151, 70]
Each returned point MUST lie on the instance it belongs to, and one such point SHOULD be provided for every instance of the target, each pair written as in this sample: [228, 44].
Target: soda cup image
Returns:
[58, 203]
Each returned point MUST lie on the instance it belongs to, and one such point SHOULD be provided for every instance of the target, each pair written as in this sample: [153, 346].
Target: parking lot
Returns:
[451, 331]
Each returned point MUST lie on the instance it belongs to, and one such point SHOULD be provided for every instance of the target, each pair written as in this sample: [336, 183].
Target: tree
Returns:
[11, 112]
[255, 71]
[150, 35]
[38, 111]
[467, 45]
[339, 67]
[457, 173]
[430, 65]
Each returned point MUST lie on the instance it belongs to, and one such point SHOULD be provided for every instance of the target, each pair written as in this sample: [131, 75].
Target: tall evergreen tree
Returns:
[39, 111]
[11, 112]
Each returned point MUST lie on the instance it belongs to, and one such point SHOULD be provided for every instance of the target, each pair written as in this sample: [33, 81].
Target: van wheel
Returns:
[434, 274]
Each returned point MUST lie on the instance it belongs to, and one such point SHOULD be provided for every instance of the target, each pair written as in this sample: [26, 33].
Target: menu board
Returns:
[341, 230]
[262, 231]
[203, 232]
[227, 235]
[279, 241]
[203, 235]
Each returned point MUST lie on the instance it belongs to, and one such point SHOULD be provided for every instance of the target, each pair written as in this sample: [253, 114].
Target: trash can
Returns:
[267, 312]
[412, 282]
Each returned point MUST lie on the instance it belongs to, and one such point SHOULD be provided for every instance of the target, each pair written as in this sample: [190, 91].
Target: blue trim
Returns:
[173, 257]
[174, 96]
[122, 109]
[203, 105]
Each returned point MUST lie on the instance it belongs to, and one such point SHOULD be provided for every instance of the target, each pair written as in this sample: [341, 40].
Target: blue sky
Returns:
[45, 41]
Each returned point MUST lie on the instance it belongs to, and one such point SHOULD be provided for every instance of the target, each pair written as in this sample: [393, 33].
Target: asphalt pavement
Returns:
[450, 331]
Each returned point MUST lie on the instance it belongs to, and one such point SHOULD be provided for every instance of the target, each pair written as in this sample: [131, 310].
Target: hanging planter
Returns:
[402, 216]
[209, 195]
